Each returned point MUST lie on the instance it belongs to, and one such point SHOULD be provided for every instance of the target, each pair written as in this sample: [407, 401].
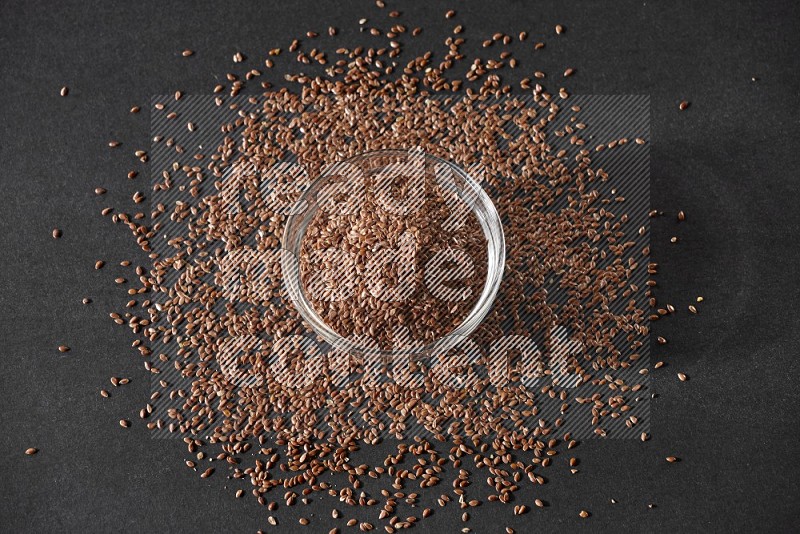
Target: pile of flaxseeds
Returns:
[255, 395]
[365, 267]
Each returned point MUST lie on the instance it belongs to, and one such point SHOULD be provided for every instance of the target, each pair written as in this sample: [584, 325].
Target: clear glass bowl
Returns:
[465, 188]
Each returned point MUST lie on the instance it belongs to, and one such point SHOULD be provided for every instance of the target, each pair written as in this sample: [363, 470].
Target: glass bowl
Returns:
[337, 184]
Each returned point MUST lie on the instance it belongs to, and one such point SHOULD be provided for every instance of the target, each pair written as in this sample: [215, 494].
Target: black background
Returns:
[730, 161]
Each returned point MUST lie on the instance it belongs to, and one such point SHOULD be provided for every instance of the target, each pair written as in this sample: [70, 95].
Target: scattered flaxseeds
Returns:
[63, 348]
[31, 451]
[64, 91]
[304, 457]
[683, 105]
[56, 233]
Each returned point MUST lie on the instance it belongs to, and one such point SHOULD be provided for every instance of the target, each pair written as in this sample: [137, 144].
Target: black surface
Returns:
[730, 161]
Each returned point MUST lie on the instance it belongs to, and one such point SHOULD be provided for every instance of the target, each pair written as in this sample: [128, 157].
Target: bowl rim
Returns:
[493, 232]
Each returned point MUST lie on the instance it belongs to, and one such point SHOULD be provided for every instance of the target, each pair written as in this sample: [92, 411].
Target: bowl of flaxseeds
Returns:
[393, 252]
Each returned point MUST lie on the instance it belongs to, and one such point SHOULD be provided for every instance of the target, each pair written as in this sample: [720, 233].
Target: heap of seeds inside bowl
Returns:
[285, 439]
[378, 301]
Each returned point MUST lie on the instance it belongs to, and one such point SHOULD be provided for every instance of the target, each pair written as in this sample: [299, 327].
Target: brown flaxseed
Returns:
[301, 459]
